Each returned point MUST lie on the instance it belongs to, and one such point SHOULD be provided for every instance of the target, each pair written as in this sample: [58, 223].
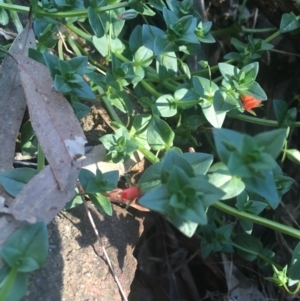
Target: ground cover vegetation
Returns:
[134, 56]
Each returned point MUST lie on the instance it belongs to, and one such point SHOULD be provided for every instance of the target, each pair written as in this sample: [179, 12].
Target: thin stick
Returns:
[78, 185]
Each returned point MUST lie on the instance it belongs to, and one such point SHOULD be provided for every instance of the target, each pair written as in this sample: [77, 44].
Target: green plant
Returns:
[143, 74]
[24, 251]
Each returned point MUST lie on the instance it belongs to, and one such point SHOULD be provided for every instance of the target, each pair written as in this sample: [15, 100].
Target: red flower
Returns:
[131, 193]
[249, 103]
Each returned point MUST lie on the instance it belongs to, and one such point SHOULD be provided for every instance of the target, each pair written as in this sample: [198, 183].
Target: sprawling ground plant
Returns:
[134, 57]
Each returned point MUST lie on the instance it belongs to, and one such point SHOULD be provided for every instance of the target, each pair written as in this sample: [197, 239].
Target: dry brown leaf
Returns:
[12, 98]
[52, 118]
[40, 199]
[8, 35]
[240, 288]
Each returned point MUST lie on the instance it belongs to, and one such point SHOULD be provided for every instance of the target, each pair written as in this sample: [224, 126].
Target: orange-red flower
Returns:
[131, 193]
[249, 102]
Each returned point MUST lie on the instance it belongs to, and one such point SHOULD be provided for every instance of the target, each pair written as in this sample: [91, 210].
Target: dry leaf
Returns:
[7, 34]
[240, 288]
[58, 132]
[12, 98]
[40, 199]
[52, 118]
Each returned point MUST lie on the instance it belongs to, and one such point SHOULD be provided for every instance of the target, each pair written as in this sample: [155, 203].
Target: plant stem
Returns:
[80, 32]
[263, 257]
[261, 121]
[232, 30]
[40, 159]
[150, 89]
[116, 118]
[258, 220]
[15, 19]
[8, 283]
[273, 36]
[151, 157]
[258, 30]
[13, 7]
[68, 14]
[111, 110]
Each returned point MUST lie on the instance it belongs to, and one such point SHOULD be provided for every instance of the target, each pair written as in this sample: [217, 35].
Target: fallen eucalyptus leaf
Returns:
[52, 118]
[12, 98]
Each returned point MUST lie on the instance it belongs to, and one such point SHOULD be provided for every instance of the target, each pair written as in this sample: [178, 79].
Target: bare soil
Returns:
[76, 269]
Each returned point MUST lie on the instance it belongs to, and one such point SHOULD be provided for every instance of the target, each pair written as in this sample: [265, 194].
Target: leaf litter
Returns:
[25, 81]
[12, 100]
[52, 117]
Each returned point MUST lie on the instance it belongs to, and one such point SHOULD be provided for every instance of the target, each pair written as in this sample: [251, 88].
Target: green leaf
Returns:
[165, 106]
[171, 159]
[52, 63]
[280, 109]
[28, 242]
[101, 202]
[200, 162]
[97, 184]
[136, 39]
[248, 246]
[61, 85]
[149, 33]
[289, 22]
[215, 118]
[129, 14]
[294, 269]
[79, 64]
[14, 180]
[265, 187]
[162, 44]
[228, 71]
[151, 177]
[169, 61]
[99, 22]
[271, 142]
[139, 128]
[246, 225]
[185, 68]
[169, 17]
[250, 72]
[29, 141]
[227, 141]
[293, 155]
[76, 201]
[105, 44]
[116, 24]
[156, 199]
[221, 178]
[157, 4]
[15, 259]
[18, 288]
[205, 88]
[85, 176]
[188, 228]
[119, 146]
[159, 134]
[80, 109]
[284, 115]
[4, 19]
[83, 90]
[257, 92]
[143, 57]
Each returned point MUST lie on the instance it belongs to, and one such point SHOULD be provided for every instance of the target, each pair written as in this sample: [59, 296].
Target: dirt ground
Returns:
[76, 268]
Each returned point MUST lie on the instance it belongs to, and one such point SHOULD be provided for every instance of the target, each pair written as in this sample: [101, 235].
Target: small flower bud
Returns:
[128, 14]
